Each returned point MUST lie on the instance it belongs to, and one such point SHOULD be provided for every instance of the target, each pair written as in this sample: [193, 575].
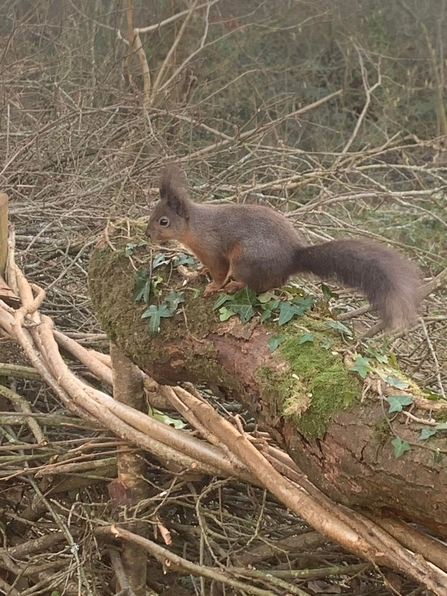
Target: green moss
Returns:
[277, 385]
[329, 387]
[382, 432]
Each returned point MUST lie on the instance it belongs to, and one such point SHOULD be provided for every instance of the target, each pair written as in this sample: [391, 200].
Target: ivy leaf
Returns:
[426, 433]
[327, 292]
[267, 313]
[160, 259]
[174, 299]
[339, 326]
[296, 307]
[400, 446]
[242, 304]
[245, 296]
[225, 313]
[221, 300]
[379, 356]
[303, 304]
[268, 309]
[286, 312]
[130, 246]
[441, 426]
[326, 343]
[306, 338]
[398, 383]
[155, 314]
[293, 290]
[245, 312]
[183, 259]
[397, 402]
[266, 297]
[361, 365]
[161, 417]
[275, 341]
[142, 288]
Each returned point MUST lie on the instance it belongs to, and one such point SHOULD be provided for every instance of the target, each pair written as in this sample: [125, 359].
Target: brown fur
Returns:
[260, 248]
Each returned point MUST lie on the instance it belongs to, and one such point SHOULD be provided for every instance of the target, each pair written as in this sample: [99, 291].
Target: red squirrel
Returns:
[259, 248]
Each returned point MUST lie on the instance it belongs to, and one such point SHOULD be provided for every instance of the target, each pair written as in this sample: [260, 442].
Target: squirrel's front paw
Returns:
[211, 289]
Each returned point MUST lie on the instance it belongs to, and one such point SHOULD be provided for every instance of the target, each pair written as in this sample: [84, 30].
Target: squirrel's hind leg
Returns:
[219, 271]
[233, 286]
[257, 277]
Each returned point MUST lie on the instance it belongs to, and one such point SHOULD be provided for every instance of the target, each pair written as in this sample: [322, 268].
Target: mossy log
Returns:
[303, 394]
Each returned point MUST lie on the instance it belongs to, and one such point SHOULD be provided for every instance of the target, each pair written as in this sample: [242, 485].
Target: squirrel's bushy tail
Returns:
[389, 281]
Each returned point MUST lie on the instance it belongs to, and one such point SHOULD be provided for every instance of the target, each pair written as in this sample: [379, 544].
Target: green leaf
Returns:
[245, 296]
[266, 297]
[306, 338]
[155, 314]
[400, 446]
[174, 299]
[303, 304]
[183, 259]
[293, 290]
[275, 341]
[130, 246]
[394, 382]
[160, 259]
[297, 307]
[142, 287]
[286, 312]
[268, 309]
[266, 315]
[339, 326]
[161, 417]
[379, 356]
[437, 457]
[225, 313]
[398, 402]
[441, 426]
[361, 365]
[326, 343]
[155, 282]
[426, 433]
[242, 304]
[392, 360]
[245, 311]
[221, 300]
[327, 292]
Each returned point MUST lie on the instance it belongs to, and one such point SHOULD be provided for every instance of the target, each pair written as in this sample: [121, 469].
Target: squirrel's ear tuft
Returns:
[177, 204]
[173, 189]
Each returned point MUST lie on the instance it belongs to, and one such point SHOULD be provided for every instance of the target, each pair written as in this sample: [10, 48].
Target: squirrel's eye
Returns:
[163, 222]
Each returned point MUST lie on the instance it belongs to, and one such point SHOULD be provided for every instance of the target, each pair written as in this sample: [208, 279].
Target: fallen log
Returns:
[336, 426]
